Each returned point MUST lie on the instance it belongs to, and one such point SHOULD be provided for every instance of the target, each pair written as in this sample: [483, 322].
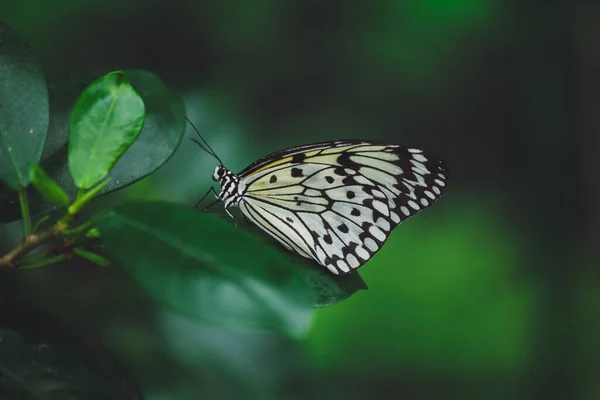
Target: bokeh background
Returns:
[493, 293]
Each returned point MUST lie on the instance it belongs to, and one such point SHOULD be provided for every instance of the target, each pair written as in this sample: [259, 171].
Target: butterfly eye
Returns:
[218, 173]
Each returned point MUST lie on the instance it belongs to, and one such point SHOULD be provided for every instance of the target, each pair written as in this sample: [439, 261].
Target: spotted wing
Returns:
[337, 202]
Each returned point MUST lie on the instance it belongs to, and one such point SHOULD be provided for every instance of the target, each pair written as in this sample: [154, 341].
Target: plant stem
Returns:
[38, 225]
[84, 197]
[79, 229]
[80, 194]
[35, 239]
[30, 242]
[45, 262]
[93, 257]
[25, 211]
[33, 257]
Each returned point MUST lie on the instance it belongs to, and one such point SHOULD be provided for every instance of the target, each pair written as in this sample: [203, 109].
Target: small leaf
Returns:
[93, 233]
[47, 187]
[206, 268]
[163, 129]
[92, 257]
[107, 118]
[23, 109]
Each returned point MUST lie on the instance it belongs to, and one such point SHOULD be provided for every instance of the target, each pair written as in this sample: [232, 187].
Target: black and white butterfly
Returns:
[335, 202]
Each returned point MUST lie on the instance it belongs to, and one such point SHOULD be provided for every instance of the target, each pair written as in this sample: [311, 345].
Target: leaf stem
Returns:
[93, 257]
[44, 262]
[25, 211]
[38, 225]
[32, 257]
[80, 194]
[78, 229]
[84, 197]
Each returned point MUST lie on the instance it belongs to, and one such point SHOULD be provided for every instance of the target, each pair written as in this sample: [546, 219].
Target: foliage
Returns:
[23, 109]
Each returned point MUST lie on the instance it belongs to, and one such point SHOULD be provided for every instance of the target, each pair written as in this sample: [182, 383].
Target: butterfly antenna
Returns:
[205, 146]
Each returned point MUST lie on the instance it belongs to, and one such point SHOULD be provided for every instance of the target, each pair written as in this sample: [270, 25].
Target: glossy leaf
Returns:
[23, 109]
[163, 129]
[205, 267]
[162, 132]
[47, 187]
[107, 118]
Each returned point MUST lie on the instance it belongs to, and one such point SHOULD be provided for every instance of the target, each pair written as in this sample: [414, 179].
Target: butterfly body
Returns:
[334, 202]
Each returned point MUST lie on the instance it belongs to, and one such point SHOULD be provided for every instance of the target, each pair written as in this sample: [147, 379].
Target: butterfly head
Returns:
[219, 174]
[228, 181]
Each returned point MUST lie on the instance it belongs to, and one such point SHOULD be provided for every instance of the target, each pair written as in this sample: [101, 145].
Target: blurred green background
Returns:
[493, 293]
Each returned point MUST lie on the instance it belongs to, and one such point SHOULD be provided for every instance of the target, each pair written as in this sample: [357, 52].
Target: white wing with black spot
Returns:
[337, 202]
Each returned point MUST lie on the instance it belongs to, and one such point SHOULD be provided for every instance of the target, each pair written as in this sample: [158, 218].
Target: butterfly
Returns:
[334, 202]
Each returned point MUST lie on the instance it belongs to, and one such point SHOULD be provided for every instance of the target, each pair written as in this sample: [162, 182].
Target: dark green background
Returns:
[493, 293]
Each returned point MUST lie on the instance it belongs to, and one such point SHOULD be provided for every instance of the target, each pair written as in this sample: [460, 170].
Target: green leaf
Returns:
[23, 109]
[92, 257]
[205, 267]
[163, 129]
[107, 118]
[93, 233]
[47, 187]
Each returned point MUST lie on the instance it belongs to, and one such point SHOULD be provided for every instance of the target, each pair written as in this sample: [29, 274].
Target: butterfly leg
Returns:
[231, 215]
[212, 189]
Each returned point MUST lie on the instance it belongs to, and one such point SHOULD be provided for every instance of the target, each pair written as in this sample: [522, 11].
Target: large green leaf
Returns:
[163, 129]
[107, 118]
[207, 268]
[23, 108]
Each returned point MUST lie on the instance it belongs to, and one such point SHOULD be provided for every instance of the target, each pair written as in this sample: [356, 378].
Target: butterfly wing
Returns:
[337, 202]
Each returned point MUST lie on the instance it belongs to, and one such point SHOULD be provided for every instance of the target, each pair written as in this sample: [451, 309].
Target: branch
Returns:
[31, 241]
